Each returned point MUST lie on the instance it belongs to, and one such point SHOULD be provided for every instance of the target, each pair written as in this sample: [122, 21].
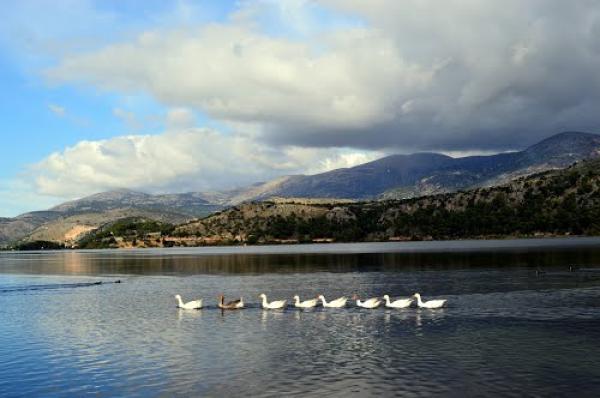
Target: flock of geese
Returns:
[337, 303]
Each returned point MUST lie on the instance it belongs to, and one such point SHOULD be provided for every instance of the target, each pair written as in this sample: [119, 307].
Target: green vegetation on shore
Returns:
[127, 232]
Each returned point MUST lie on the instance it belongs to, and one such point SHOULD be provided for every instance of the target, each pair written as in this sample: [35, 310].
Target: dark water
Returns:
[518, 322]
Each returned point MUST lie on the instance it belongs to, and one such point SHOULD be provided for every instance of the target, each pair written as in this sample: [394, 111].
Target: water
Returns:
[518, 322]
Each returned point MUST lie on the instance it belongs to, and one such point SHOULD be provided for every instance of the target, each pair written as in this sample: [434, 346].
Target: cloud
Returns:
[236, 74]
[456, 75]
[18, 195]
[179, 118]
[130, 119]
[58, 110]
[191, 159]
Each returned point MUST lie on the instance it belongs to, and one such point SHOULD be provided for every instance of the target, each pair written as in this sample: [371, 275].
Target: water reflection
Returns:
[188, 314]
[128, 339]
[152, 348]
[232, 261]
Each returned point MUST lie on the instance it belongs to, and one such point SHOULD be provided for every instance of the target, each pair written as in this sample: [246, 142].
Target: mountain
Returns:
[191, 204]
[68, 221]
[392, 177]
[552, 203]
[15, 228]
[405, 176]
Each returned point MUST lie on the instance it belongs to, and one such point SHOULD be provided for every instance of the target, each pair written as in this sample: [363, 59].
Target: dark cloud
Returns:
[419, 75]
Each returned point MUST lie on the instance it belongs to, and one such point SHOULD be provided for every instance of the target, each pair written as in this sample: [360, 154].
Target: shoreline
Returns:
[433, 246]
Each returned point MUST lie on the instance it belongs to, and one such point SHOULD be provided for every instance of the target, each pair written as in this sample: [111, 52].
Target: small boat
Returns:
[273, 305]
[190, 305]
[230, 305]
[400, 303]
[337, 303]
[304, 304]
[369, 303]
[429, 304]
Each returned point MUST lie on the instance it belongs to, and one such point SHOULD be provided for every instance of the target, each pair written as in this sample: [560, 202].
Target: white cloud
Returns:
[18, 196]
[179, 160]
[420, 74]
[237, 74]
[130, 119]
[179, 118]
[58, 110]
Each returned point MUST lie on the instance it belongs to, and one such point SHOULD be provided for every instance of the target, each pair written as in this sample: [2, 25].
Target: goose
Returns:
[429, 304]
[402, 303]
[192, 305]
[231, 305]
[273, 305]
[304, 304]
[337, 303]
[368, 303]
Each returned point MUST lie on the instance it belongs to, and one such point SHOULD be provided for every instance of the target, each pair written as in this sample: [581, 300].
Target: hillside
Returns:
[561, 202]
[69, 230]
[189, 204]
[406, 176]
[15, 228]
[68, 221]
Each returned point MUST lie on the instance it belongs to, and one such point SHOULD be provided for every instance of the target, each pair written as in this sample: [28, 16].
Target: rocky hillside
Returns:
[67, 222]
[70, 230]
[559, 202]
[190, 204]
[406, 176]
[15, 228]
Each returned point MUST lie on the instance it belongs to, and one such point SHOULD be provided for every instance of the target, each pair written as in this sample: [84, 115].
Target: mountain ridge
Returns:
[551, 203]
[391, 177]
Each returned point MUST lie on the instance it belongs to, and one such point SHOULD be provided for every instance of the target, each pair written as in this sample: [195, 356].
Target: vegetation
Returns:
[561, 202]
[39, 245]
[129, 231]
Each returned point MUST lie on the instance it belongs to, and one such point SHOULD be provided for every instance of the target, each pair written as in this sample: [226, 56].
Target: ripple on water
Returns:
[129, 339]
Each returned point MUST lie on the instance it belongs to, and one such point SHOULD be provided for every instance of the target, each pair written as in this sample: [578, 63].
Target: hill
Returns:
[15, 228]
[406, 176]
[189, 204]
[67, 222]
[560, 202]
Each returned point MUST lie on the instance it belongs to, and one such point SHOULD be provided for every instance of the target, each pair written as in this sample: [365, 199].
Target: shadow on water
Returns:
[52, 286]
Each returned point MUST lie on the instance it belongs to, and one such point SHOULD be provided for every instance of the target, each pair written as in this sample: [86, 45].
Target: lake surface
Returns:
[519, 321]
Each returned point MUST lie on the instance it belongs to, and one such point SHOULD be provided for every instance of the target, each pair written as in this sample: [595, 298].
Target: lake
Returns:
[523, 319]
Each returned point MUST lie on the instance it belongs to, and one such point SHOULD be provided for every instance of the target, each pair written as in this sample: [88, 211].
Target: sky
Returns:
[179, 96]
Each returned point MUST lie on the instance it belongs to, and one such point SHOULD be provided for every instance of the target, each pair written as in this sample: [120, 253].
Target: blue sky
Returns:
[176, 96]
[38, 117]
[27, 99]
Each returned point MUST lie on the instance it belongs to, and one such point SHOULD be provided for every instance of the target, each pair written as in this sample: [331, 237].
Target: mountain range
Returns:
[405, 176]
[391, 177]
[551, 203]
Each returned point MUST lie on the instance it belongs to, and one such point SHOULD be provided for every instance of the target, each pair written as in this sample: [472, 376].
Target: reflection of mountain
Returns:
[407, 256]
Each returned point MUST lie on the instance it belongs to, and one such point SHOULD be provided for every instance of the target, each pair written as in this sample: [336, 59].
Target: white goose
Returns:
[337, 303]
[368, 303]
[400, 303]
[192, 305]
[304, 304]
[429, 304]
[273, 305]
